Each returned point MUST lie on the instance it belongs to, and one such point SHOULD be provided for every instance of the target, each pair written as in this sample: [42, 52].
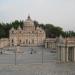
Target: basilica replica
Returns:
[28, 36]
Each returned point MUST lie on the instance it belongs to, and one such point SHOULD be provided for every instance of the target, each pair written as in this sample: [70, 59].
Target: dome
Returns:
[28, 22]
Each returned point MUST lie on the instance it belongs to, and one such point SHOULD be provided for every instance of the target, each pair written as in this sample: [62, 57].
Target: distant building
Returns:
[28, 36]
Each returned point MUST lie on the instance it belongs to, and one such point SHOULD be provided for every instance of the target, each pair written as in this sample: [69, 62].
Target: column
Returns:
[63, 54]
[45, 44]
[58, 53]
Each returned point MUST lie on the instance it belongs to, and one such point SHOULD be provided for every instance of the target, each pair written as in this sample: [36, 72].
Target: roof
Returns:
[28, 22]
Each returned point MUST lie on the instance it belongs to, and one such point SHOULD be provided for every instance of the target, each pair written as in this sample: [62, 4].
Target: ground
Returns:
[27, 55]
[30, 63]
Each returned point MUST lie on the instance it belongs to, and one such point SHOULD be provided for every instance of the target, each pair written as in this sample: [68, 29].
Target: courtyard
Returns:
[33, 61]
[51, 68]
[27, 55]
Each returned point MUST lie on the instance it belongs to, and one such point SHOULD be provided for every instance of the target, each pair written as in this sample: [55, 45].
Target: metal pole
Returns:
[15, 55]
[66, 49]
[42, 55]
[60, 53]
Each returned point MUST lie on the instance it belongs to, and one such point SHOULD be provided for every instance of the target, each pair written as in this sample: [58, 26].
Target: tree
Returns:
[2, 31]
[36, 23]
[15, 24]
[51, 30]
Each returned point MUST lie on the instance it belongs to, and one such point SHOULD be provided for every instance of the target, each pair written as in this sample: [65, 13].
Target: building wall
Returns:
[4, 42]
[66, 50]
[50, 43]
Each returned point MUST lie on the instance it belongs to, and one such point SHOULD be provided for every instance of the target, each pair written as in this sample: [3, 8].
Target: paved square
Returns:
[28, 63]
[27, 55]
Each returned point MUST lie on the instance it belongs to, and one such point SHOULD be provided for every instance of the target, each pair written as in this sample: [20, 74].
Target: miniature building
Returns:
[66, 49]
[35, 36]
[28, 36]
[50, 43]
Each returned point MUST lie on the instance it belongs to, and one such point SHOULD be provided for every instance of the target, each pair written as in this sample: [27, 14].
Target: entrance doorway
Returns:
[71, 54]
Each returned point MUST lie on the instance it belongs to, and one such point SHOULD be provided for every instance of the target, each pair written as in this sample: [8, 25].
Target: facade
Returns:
[28, 36]
[50, 43]
[66, 49]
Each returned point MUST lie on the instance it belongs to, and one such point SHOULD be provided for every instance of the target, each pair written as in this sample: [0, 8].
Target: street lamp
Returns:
[60, 52]
[66, 48]
[42, 54]
[15, 54]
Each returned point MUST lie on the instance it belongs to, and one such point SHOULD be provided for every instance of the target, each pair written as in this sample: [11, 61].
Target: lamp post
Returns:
[60, 53]
[66, 50]
[15, 53]
[42, 54]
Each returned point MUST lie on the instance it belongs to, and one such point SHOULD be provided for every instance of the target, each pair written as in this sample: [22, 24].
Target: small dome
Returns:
[28, 22]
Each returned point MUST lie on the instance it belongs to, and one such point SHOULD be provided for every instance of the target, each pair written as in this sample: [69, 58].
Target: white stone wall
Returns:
[66, 54]
[4, 42]
[50, 43]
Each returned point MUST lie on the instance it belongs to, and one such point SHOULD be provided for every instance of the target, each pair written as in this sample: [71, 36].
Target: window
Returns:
[23, 42]
[32, 31]
[20, 31]
[32, 41]
[12, 40]
[29, 42]
[40, 31]
[26, 41]
[20, 41]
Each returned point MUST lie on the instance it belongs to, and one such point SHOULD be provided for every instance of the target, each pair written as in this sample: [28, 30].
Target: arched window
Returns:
[26, 41]
[32, 41]
[20, 41]
[12, 40]
[29, 42]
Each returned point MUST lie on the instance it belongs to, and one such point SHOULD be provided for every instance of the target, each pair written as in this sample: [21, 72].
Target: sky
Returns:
[57, 12]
